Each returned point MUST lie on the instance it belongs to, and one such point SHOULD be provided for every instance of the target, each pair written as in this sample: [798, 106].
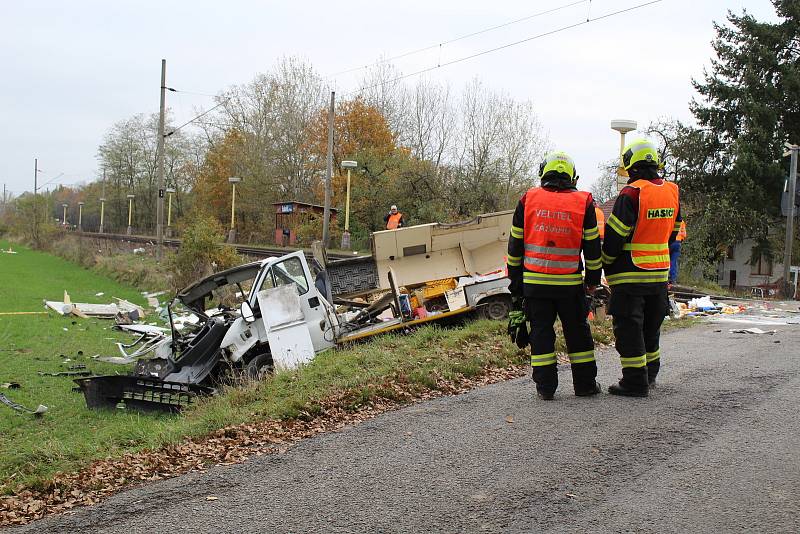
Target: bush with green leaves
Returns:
[202, 251]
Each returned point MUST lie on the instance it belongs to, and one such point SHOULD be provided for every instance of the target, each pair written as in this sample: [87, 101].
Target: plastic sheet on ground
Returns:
[752, 331]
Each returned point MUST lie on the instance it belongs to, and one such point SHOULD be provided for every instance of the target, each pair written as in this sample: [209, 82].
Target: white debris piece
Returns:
[85, 309]
[143, 329]
[753, 331]
[59, 307]
[702, 302]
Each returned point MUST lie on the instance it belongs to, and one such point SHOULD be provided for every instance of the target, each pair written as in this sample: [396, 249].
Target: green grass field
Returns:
[30, 344]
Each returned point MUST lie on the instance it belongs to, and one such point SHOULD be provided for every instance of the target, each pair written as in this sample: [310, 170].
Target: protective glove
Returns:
[518, 328]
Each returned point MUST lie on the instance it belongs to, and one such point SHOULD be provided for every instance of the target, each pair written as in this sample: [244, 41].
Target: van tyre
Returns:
[259, 366]
[496, 308]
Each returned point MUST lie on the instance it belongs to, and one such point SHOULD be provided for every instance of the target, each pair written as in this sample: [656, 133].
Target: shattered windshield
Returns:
[284, 273]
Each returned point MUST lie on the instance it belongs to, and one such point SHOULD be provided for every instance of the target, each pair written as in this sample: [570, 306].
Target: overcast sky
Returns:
[72, 69]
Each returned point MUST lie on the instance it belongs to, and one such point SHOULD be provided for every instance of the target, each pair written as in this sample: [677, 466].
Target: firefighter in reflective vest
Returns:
[675, 253]
[552, 224]
[601, 221]
[645, 220]
[394, 219]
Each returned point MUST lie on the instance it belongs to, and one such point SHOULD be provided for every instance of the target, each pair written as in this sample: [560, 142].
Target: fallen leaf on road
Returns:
[212, 498]
[509, 419]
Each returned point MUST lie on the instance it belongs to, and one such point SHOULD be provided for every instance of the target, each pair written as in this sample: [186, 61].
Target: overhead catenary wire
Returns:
[460, 38]
[507, 45]
[187, 123]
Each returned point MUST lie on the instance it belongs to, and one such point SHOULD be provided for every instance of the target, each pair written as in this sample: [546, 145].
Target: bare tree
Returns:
[605, 187]
[429, 127]
[381, 87]
[522, 146]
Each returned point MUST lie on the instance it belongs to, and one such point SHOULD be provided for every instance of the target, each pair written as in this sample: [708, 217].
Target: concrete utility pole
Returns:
[160, 162]
[35, 188]
[326, 215]
[787, 250]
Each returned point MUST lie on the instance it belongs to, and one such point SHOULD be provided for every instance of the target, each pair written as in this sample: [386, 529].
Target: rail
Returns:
[249, 250]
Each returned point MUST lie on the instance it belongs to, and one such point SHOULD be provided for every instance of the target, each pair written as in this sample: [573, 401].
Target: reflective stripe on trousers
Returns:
[581, 357]
[636, 361]
[538, 360]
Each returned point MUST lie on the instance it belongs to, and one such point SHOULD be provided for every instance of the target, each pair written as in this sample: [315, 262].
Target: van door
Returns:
[292, 269]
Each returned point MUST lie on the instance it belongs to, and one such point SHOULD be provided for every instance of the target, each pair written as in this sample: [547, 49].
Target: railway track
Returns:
[249, 250]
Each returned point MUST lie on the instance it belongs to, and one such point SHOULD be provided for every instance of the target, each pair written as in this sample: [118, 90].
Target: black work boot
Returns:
[545, 394]
[588, 391]
[546, 379]
[652, 372]
[624, 391]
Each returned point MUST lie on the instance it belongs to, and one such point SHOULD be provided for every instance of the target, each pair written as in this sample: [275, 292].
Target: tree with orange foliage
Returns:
[361, 132]
[212, 190]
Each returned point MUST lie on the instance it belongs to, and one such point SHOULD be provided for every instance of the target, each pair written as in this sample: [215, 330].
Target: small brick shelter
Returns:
[290, 215]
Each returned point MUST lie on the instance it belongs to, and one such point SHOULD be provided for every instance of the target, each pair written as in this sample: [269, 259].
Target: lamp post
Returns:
[622, 126]
[349, 164]
[130, 214]
[64, 218]
[102, 212]
[170, 191]
[80, 216]
[232, 235]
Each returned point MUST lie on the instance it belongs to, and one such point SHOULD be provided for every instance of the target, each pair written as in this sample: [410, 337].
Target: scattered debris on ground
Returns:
[38, 412]
[102, 311]
[67, 373]
[753, 331]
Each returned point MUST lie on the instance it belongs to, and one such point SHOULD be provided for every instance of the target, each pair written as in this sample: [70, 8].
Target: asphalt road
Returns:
[713, 449]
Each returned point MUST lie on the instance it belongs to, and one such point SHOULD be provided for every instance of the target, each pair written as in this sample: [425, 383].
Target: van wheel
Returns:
[259, 366]
[496, 308]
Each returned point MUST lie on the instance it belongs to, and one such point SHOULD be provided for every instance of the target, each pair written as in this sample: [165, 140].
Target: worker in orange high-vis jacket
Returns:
[675, 253]
[601, 221]
[552, 225]
[394, 219]
[645, 220]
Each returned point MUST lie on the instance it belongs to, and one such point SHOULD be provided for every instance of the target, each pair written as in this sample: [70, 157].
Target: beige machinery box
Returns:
[433, 251]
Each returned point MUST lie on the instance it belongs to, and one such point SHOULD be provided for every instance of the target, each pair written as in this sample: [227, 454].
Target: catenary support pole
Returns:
[35, 204]
[787, 250]
[160, 163]
[326, 216]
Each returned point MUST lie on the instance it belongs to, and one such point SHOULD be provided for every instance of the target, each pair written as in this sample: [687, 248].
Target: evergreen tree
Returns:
[732, 167]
